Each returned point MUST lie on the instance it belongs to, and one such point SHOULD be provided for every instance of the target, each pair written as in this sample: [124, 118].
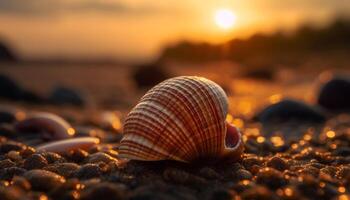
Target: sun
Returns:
[224, 18]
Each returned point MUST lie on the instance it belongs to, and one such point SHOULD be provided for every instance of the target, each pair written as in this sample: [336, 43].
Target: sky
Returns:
[130, 30]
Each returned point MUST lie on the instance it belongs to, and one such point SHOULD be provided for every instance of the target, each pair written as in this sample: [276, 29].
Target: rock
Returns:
[35, 161]
[104, 191]
[277, 163]
[63, 169]
[6, 54]
[43, 180]
[10, 114]
[89, 171]
[67, 96]
[335, 95]
[101, 157]
[9, 173]
[11, 146]
[243, 174]
[271, 178]
[9, 89]
[6, 164]
[147, 76]
[288, 110]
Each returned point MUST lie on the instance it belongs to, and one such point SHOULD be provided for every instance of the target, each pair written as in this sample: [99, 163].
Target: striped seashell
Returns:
[182, 119]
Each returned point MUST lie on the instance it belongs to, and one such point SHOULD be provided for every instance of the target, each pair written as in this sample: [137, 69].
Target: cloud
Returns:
[51, 7]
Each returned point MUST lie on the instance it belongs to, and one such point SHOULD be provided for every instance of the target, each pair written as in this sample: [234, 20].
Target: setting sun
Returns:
[225, 18]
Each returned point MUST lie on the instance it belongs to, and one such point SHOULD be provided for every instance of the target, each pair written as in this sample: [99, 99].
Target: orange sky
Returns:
[138, 29]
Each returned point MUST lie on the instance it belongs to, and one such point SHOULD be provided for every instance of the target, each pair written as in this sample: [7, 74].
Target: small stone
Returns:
[52, 157]
[258, 192]
[89, 171]
[64, 169]
[100, 157]
[77, 156]
[104, 191]
[209, 173]
[176, 175]
[43, 180]
[288, 110]
[9, 173]
[67, 96]
[14, 155]
[243, 174]
[335, 95]
[10, 146]
[248, 163]
[271, 178]
[277, 163]
[21, 183]
[6, 164]
[35, 161]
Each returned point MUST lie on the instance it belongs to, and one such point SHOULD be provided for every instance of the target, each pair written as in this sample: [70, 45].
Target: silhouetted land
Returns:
[279, 47]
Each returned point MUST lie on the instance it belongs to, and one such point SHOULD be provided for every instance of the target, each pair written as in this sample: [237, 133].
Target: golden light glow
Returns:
[288, 192]
[225, 18]
[275, 98]
[260, 139]
[277, 141]
[343, 197]
[330, 134]
[71, 131]
[341, 189]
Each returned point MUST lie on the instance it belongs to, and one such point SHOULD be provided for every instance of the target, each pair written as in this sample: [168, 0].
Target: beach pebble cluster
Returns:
[78, 159]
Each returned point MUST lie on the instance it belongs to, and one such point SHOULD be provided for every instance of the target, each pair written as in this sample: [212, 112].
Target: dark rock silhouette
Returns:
[10, 89]
[6, 54]
[147, 76]
[67, 96]
[288, 110]
[335, 95]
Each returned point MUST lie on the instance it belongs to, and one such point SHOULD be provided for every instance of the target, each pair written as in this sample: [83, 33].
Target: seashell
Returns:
[66, 145]
[52, 127]
[182, 119]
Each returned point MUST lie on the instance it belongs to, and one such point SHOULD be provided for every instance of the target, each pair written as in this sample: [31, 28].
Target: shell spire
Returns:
[181, 119]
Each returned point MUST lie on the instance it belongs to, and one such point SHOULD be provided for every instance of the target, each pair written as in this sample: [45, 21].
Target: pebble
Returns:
[35, 161]
[270, 178]
[9, 173]
[209, 173]
[88, 171]
[6, 164]
[10, 146]
[66, 145]
[101, 191]
[288, 110]
[335, 95]
[77, 155]
[52, 157]
[100, 157]
[243, 174]
[43, 180]
[66, 170]
[277, 163]
[67, 96]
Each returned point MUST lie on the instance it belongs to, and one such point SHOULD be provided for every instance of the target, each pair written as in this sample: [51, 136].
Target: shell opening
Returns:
[232, 136]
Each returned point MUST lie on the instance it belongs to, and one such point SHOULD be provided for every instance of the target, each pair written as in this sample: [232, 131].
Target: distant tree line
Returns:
[304, 41]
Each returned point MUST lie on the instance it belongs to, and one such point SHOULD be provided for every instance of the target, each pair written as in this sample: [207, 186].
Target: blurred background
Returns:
[102, 54]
